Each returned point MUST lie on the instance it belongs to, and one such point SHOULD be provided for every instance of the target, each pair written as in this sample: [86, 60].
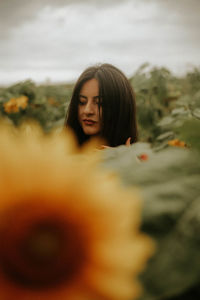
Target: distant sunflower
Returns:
[11, 106]
[15, 104]
[177, 143]
[67, 230]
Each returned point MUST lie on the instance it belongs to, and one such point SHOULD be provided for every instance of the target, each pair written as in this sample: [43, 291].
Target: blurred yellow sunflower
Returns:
[14, 104]
[177, 143]
[67, 230]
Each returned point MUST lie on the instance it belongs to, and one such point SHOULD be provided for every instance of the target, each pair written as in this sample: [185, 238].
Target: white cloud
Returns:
[70, 35]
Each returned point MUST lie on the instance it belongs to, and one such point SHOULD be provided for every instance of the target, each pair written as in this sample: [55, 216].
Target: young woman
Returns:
[103, 104]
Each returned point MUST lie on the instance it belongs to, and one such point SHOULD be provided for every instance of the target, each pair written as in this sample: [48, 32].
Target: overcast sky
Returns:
[58, 39]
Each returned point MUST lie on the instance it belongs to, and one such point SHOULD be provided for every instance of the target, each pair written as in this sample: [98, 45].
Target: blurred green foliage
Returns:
[165, 102]
[169, 184]
[46, 103]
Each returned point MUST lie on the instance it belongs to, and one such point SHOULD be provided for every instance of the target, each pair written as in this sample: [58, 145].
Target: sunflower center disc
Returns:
[49, 254]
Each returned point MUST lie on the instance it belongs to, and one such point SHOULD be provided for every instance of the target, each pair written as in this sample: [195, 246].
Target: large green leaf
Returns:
[169, 183]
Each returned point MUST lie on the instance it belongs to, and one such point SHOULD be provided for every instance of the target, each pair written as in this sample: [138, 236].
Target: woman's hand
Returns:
[128, 142]
[104, 147]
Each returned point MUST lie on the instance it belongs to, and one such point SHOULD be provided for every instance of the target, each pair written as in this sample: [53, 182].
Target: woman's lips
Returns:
[89, 122]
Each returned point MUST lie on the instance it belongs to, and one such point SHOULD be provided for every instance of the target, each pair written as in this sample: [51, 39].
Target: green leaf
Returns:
[166, 121]
[196, 113]
[179, 111]
[169, 183]
[164, 136]
[189, 132]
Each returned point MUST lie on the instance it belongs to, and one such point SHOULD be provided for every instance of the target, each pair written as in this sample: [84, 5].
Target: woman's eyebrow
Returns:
[80, 95]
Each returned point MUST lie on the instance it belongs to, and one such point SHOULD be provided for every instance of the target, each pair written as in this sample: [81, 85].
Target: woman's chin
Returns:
[91, 132]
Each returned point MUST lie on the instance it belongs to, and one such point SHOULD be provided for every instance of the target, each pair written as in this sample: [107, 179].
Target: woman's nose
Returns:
[89, 108]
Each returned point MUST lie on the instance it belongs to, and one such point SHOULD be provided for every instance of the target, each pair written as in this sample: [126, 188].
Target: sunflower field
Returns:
[128, 230]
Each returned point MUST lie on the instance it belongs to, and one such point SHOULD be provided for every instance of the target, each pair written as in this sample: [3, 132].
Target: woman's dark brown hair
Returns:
[117, 101]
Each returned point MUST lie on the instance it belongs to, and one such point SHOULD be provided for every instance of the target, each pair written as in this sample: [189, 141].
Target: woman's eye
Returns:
[98, 101]
[82, 102]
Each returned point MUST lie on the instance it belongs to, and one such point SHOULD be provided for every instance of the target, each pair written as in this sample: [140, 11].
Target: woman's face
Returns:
[89, 114]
